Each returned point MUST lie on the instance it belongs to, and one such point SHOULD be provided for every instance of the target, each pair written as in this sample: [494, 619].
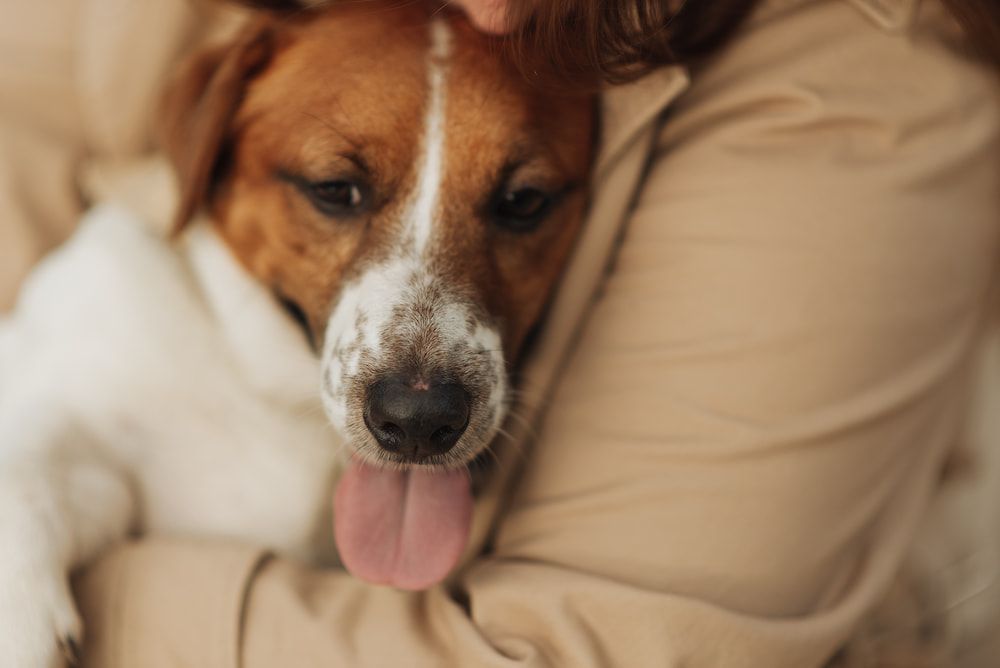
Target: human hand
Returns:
[486, 15]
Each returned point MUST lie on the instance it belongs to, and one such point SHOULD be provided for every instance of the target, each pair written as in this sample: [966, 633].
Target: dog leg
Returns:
[60, 502]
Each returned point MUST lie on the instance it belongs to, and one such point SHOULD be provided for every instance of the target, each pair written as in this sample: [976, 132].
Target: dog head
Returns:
[404, 194]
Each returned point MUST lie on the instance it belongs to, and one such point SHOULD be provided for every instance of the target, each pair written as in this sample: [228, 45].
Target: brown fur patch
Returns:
[340, 93]
[504, 132]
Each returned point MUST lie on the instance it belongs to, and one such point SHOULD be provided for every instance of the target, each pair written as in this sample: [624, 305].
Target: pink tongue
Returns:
[407, 529]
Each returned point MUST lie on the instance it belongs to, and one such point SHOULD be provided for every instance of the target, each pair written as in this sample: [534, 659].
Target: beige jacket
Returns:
[747, 416]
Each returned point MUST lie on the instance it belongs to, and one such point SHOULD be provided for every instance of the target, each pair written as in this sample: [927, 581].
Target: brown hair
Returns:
[587, 43]
[591, 42]
[981, 20]
[595, 41]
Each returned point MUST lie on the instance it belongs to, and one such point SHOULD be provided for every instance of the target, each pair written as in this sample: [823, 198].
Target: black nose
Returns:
[416, 420]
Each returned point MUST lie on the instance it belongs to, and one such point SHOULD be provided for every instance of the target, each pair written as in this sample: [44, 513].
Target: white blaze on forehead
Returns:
[430, 170]
[366, 305]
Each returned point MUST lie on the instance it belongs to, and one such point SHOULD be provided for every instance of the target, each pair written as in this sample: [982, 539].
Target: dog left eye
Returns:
[335, 198]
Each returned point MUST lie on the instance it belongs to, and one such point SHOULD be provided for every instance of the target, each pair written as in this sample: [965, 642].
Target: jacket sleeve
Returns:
[752, 421]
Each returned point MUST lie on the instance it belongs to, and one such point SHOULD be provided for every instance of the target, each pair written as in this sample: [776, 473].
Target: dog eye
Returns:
[336, 198]
[522, 209]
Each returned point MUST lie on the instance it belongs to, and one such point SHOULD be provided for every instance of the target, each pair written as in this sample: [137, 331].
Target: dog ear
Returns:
[198, 108]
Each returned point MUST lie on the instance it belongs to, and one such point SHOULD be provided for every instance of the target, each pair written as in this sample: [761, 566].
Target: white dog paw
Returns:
[39, 624]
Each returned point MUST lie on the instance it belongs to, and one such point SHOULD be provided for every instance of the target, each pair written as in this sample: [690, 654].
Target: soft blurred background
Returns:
[79, 91]
[80, 83]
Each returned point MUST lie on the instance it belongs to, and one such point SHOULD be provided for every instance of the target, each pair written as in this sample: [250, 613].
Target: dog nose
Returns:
[417, 420]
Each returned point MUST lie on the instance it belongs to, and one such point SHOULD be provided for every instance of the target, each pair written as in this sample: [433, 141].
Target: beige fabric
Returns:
[79, 88]
[40, 138]
[750, 424]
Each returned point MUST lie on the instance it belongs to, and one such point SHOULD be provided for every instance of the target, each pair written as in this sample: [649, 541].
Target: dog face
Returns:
[402, 192]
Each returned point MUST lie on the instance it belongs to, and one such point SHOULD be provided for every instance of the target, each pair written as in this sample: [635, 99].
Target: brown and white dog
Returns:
[382, 174]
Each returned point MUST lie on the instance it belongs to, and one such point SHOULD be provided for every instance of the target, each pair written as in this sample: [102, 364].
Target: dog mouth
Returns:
[415, 379]
[402, 510]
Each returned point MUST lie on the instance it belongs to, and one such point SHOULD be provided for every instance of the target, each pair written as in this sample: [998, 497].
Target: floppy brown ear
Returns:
[198, 109]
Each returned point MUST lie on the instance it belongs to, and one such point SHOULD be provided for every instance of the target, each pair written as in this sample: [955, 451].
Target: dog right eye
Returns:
[336, 198]
[521, 209]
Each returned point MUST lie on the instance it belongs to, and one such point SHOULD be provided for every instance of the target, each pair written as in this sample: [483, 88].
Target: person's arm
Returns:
[750, 426]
